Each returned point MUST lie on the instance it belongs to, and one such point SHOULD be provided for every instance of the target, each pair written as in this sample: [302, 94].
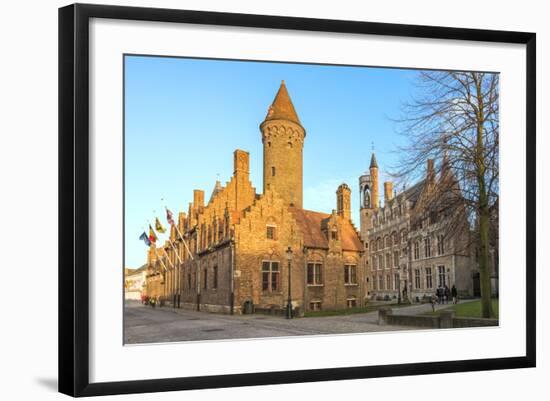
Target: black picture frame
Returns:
[74, 198]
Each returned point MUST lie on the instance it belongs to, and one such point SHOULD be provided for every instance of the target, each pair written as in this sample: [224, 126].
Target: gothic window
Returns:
[366, 197]
[429, 282]
[416, 250]
[388, 282]
[334, 234]
[396, 281]
[396, 259]
[441, 274]
[417, 278]
[440, 245]
[427, 247]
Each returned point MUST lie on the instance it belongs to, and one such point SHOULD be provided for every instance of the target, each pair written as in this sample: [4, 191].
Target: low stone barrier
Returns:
[445, 320]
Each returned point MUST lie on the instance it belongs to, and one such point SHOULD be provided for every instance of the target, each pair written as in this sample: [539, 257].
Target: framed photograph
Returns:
[297, 199]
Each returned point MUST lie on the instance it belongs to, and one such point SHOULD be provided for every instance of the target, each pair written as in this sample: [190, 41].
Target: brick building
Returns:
[246, 250]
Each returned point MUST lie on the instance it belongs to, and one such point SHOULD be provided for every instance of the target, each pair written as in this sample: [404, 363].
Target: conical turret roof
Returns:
[282, 107]
[373, 162]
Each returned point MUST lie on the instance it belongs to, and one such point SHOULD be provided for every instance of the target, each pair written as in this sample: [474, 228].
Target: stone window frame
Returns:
[350, 273]
[271, 228]
[417, 279]
[351, 302]
[271, 274]
[428, 247]
[318, 305]
[440, 244]
[388, 281]
[441, 276]
[429, 277]
[319, 264]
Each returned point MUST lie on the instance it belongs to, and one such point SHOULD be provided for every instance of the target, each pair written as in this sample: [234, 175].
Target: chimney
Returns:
[343, 201]
[241, 162]
[388, 191]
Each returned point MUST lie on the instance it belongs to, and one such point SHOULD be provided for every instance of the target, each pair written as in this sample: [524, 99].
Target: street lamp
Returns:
[289, 301]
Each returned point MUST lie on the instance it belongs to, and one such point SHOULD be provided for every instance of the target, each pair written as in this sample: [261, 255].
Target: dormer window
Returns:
[333, 234]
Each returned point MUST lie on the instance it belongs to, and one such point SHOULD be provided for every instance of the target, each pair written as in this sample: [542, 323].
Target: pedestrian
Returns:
[454, 294]
[439, 293]
[447, 293]
[433, 299]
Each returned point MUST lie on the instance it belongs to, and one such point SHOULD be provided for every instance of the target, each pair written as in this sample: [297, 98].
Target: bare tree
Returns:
[455, 120]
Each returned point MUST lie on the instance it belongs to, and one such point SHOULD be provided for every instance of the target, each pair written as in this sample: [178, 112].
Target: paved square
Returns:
[144, 324]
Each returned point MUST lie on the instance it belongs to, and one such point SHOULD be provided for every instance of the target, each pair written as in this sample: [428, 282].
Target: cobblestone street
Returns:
[144, 324]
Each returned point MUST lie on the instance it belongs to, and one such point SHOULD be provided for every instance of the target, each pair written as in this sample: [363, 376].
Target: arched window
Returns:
[366, 197]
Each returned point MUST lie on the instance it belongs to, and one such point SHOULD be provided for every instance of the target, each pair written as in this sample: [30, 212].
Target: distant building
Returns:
[135, 283]
[412, 251]
[238, 242]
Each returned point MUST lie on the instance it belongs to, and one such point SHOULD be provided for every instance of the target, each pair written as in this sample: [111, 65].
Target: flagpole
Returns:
[177, 270]
[181, 237]
[173, 275]
[158, 258]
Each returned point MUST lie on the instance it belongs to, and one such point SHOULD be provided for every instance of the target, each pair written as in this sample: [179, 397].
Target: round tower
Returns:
[283, 141]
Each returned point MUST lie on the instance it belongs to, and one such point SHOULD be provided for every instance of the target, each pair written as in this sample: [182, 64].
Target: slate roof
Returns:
[311, 225]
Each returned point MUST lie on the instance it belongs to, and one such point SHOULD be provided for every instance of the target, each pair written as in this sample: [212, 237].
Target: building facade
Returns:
[411, 248]
[135, 283]
[245, 251]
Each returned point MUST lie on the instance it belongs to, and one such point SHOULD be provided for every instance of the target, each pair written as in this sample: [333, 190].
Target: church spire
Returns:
[282, 107]
[373, 162]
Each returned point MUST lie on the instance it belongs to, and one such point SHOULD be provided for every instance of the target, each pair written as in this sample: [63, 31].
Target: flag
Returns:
[152, 236]
[145, 239]
[159, 226]
[169, 217]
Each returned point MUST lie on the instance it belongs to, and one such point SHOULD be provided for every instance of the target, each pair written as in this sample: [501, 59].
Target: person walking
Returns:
[433, 299]
[447, 293]
[454, 294]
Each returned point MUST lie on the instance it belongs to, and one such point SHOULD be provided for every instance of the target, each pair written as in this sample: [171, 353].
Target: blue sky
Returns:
[184, 117]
